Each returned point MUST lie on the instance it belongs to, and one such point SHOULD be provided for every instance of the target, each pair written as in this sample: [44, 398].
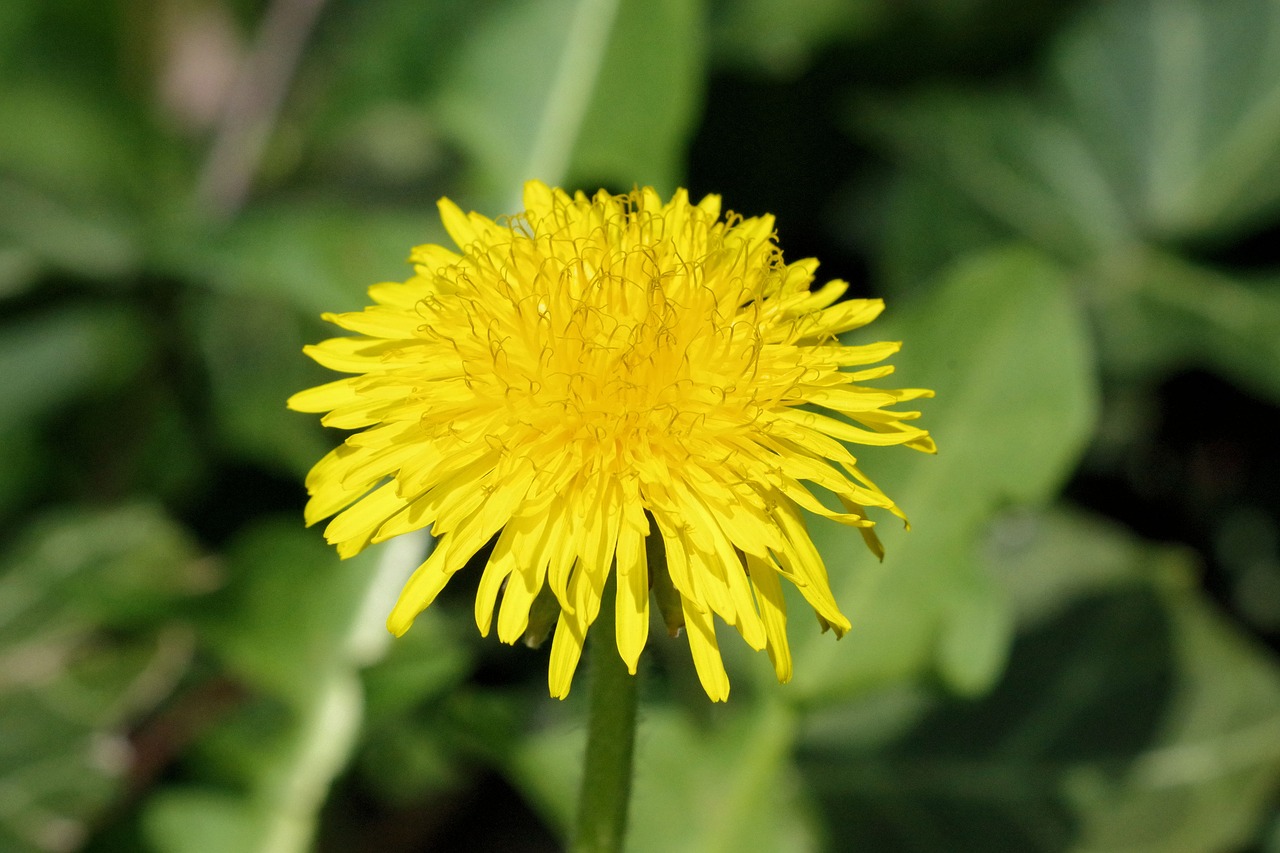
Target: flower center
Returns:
[626, 350]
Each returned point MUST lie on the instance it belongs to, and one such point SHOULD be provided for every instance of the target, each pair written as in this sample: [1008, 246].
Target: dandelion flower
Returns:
[593, 380]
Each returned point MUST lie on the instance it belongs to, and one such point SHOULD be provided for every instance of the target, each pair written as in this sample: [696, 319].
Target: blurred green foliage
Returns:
[1072, 208]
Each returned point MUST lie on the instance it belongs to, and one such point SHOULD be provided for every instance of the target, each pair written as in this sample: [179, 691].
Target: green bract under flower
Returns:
[592, 378]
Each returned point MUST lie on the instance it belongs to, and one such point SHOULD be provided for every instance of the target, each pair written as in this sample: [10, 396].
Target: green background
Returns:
[1072, 209]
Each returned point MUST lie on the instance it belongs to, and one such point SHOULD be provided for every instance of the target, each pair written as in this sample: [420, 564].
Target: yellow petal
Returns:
[773, 608]
[323, 398]
[361, 520]
[566, 651]
[706, 653]
[379, 322]
[632, 611]
[424, 585]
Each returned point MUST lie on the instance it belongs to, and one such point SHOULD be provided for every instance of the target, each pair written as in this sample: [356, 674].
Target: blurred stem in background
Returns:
[253, 105]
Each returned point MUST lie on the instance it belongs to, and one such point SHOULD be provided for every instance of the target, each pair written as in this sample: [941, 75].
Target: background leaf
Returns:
[53, 359]
[1180, 102]
[1150, 134]
[1006, 317]
[80, 662]
[554, 89]
[1130, 718]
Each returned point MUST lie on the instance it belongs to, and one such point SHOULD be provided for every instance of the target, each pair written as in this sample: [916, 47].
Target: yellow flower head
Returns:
[594, 380]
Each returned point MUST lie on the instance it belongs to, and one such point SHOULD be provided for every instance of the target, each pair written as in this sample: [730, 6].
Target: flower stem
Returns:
[611, 731]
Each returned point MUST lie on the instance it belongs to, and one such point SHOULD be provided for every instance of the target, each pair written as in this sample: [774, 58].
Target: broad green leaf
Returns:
[19, 269]
[1131, 718]
[410, 758]
[86, 238]
[85, 652]
[1014, 160]
[418, 715]
[1048, 561]
[1003, 344]
[25, 469]
[1158, 120]
[290, 608]
[782, 37]
[377, 66]
[1083, 692]
[382, 52]
[65, 140]
[1156, 123]
[16, 19]
[1177, 313]
[316, 257]
[285, 780]
[297, 624]
[80, 570]
[1154, 312]
[1214, 771]
[646, 100]
[1179, 101]
[721, 786]
[575, 89]
[714, 786]
[1271, 844]
[50, 359]
[1205, 785]
[69, 173]
[928, 224]
[252, 351]
[422, 665]
[199, 821]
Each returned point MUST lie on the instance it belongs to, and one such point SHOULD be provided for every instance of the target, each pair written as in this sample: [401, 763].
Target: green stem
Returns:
[611, 732]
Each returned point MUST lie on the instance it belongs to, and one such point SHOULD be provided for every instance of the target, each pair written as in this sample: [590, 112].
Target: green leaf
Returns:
[383, 52]
[646, 101]
[782, 36]
[50, 359]
[198, 821]
[1088, 688]
[25, 469]
[1155, 124]
[82, 658]
[928, 225]
[16, 19]
[700, 787]
[1048, 561]
[1004, 346]
[292, 607]
[1180, 103]
[316, 257]
[1173, 314]
[1131, 718]
[1212, 776]
[561, 89]
[62, 138]
[287, 778]
[77, 571]
[1155, 311]
[1013, 159]
[252, 351]
[419, 713]
[298, 624]
[68, 174]
[1159, 120]
[19, 269]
